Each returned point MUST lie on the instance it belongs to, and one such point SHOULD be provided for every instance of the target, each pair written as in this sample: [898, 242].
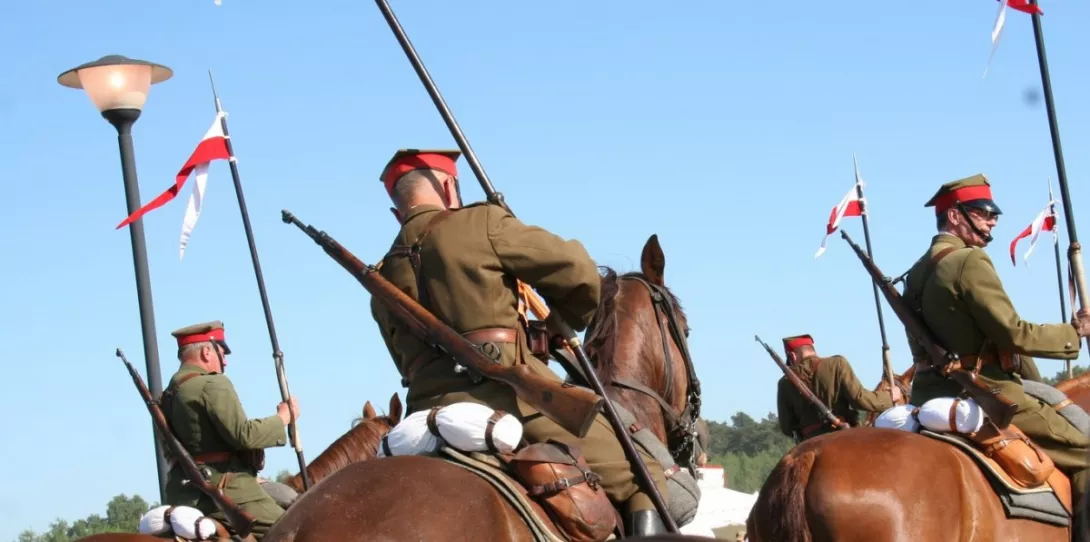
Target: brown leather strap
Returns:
[671, 471]
[562, 484]
[413, 253]
[495, 417]
[224, 479]
[386, 446]
[213, 457]
[166, 518]
[954, 414]
[165, 400]
[1061, 404]
[492, 335]
[433, 427]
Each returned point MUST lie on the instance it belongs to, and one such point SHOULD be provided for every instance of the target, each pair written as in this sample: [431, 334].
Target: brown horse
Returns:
[911, 488]
[903, 382]
[424, 498]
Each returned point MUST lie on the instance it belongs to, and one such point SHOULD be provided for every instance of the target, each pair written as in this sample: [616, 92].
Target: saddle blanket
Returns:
[1038, 504]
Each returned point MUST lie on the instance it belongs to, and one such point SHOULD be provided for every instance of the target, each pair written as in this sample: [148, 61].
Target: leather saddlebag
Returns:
[1025, 462]
[558, 478]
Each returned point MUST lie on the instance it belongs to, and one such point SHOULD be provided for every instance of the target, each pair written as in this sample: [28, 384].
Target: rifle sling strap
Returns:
[917, 299]
[413, 253]
[168, 396]
[809, 381]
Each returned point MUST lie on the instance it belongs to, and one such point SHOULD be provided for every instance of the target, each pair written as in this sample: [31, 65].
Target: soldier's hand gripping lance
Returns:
[801, 386]
[240, 521]
[998, 408]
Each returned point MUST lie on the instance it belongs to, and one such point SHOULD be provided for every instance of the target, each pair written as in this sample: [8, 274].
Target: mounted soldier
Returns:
[956, 290]
[205, 414]
[463, 264]
[833, 382]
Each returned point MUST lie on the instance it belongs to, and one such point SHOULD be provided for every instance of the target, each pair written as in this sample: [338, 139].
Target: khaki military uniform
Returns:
[835, 384]
[207, 417]
[469, 261]
[964, 304]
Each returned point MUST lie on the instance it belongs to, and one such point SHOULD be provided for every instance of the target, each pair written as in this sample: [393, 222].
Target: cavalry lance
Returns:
[555, 322]
[1074, 251]
[278, 356]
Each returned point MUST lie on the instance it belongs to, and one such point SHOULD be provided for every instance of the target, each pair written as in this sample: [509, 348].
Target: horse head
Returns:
[360, 443]
[638, 341]
[904, 382]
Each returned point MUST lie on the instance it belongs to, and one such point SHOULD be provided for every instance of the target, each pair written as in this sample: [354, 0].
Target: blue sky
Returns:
[727, 129]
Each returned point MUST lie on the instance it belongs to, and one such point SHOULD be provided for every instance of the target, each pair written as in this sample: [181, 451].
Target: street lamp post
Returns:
[118, 87]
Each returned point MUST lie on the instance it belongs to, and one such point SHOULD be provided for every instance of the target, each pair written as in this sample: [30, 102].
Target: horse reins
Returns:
[681, 425]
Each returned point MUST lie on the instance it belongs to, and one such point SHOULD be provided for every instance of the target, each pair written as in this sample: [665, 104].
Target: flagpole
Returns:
[1059, 263]
[887, 363]
[278, 356]
[1074, 250]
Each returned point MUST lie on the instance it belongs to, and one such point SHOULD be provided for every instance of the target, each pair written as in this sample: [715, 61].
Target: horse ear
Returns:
[395, 409]
[368, 411]
[906, 378]
[653, 261]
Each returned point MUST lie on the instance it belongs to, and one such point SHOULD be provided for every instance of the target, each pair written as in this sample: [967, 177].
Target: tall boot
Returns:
[643, 523]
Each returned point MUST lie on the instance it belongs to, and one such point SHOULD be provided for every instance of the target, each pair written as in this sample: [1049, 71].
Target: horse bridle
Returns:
[680, 428]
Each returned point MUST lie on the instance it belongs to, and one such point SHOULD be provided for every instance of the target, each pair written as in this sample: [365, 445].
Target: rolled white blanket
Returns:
[185, 521]
[409, 437]
[465, 426]
[936, 415]
[899, 417]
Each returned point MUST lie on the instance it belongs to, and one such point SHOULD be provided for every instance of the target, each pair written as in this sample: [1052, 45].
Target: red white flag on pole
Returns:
[1045, 221]
[1001, 17]
[213, 146]
[851, 205]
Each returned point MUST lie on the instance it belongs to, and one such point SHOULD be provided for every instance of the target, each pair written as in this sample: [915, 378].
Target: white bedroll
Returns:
[468, 427]
[185, 521]
[942, 414]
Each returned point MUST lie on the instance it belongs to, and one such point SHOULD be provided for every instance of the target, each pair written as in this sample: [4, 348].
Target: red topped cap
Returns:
[406, 160]
[206, 332]
[791, 343]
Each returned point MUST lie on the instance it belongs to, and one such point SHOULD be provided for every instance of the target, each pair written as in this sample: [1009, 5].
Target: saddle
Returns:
[551, 487]
[1021, 474]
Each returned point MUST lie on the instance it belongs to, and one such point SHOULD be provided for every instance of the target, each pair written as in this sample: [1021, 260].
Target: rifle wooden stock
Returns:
[240, 521]
[804, 390]
[998, 408]
[572, 407]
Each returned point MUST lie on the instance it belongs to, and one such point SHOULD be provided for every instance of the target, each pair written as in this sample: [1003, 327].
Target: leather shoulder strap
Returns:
[167, 397]
[413, 253]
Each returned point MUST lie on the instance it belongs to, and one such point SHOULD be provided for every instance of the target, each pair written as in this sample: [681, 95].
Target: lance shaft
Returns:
[557, 323]
[1074, 250]
[278, 356]
[887, 364]
[441, 104]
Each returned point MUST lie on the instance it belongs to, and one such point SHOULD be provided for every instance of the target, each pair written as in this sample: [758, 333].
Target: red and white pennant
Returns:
[1045, 221]
[851, 205]
[213, 146]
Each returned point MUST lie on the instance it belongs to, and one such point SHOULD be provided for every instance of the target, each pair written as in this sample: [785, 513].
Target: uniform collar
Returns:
[190, 368]
[948, 239]
[419, 210]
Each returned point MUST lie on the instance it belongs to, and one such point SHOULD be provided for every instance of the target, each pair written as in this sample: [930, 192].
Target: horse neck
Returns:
[630, 350]
[359, 444]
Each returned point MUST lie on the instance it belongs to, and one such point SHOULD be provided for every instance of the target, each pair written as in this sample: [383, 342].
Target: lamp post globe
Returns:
[118, 87]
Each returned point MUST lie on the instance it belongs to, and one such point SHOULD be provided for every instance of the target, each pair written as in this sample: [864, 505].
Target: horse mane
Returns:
[359, 443]
[601, 335]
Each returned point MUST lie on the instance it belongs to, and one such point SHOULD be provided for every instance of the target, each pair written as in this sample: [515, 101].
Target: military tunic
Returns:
[206, 416]
[964, 304]
[835, 384]
[470, 262]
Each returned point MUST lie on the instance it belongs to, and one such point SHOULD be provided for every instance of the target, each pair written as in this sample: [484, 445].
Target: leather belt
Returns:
[969, 360]
[477, 337]
[204, 459]
[809, 429]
